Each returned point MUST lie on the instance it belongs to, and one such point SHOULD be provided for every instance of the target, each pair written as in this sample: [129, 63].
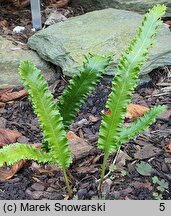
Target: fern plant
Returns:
[55, 119]
[112, 134]
[52, 122]
[81, 86]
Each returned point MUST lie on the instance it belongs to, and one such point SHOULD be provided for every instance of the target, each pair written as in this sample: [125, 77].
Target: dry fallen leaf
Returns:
[23, 3]
[36, 179]
[3, 24]
[168, 148]
[10, 96]
[59, 4]
[66, 197]
[2, 105]
[15, 4]
[10, 171]
[71, 135]
[134, 111]
[4, 90]
[8, 136]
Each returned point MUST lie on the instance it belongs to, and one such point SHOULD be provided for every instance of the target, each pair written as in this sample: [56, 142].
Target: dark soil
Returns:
[36, 181]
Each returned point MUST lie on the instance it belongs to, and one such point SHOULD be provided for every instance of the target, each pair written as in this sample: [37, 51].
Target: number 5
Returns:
[162, 206]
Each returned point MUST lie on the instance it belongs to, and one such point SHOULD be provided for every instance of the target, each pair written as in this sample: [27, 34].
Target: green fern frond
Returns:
[80, 87]
[49, 116]
[140, 125]
[13, 153]
[126, 79]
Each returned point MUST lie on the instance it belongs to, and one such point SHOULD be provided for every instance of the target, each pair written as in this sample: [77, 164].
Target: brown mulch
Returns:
[35, 181]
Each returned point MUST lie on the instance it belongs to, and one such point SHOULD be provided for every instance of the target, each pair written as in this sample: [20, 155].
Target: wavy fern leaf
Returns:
[49, 116]
[15, 152]
[140, 125]
[80, 87]
[126, 78]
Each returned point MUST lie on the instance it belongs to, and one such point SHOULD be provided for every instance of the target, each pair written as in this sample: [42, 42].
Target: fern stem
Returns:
[67, 183]
[106, 155]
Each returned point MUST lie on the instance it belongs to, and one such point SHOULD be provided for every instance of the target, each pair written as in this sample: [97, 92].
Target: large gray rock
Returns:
[103, 32]
[140, 6]
[10, 58]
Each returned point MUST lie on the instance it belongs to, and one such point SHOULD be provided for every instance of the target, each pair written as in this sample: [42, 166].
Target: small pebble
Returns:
[18, 29]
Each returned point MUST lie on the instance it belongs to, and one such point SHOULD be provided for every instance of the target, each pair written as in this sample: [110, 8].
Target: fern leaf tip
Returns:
[159, 9]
